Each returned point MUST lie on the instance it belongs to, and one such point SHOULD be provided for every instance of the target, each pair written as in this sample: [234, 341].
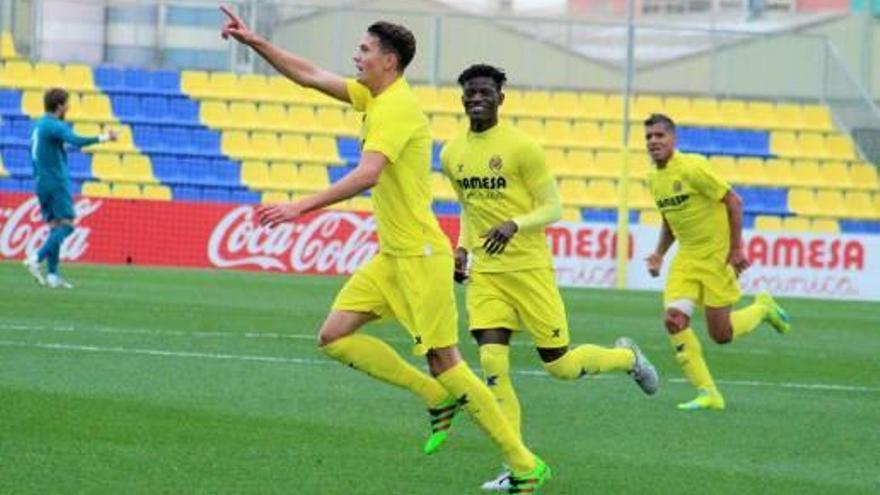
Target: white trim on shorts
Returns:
[686, 306]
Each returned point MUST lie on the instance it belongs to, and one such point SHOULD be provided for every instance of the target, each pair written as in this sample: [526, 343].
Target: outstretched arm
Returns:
[294, 67]
[66, 134]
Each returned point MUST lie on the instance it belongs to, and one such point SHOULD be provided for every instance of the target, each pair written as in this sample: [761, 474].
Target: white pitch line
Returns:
[312, 362]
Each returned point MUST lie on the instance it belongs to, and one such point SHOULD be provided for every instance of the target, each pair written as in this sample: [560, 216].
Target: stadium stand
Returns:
[200, 136]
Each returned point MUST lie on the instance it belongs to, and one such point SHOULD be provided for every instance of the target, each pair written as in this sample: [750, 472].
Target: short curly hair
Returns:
[483, 70]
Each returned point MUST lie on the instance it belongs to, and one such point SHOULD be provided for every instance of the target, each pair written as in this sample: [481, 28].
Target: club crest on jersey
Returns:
[676, 186]
[495, 163]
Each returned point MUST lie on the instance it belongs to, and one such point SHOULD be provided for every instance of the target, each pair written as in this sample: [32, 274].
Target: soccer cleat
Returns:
[441, 421]
[55, 282]
[500, 484]
[531, 481]
[643, 372]
[705, 400]
[776, 317]
[33, 266]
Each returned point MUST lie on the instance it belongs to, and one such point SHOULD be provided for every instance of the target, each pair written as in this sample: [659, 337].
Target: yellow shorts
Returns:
[415, 290]
[708, 282]
[503, 300]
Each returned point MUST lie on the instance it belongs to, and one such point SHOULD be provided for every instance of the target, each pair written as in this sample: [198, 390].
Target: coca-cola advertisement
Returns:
[213, 235]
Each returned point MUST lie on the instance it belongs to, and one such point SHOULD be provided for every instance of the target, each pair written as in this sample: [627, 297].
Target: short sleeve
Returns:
[706, 181]
[359, 95]
[390, 128]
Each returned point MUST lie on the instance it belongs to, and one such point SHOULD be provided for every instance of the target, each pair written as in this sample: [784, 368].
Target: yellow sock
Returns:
[588, 359]
[745, 320]
[495, 359]
[461, 382]
[378, 359]
[689, 354]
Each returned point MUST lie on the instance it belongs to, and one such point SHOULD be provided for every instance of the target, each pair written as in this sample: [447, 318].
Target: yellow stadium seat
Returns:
[87, 129]
[817, 118]
[640, 165]
[779, 171]
[876, 201]
[580, 163]
[125, 191]
[214, 114]
[124, 139]
[243, 115]
[573, 191]
[514, 105]
[302, 119]
[644, 105]
[864, 176]
[48, 75]
[638, 196]
[255, 174]
[796, 224]
[836, 175]
[137, 168]
[825, 226]
[751, 171]
[32, 103]
[706, 113]
[614, 107]
[830, 203]
[784, 143]
[156, 192]
[841, 147]
[312, 177]
[611, 136]
[444, 127]
[18, 74]
[565, 104]
[762, 114]
[636, 138]
[95, 108]
[427, 96]
[802, 201]
[556, 160]
[360, 203]
[195, 83]
[76, 113]
[449, 99]
[559, 133]
[571, 214]
[7, 46]
[274, 197]
[725, 166]
[734, 114]
[254, 87]
[806, 173]
[441, 188]
[285, 90]
[533, 127]
[586, 134]
[332, 120]
[602, 193]
[812, 145]
[236, 144]
[272, 116]
[323, 149]
[283, 177]
[768, 223]
[650, 217]
[96, 189]
[608, 164]
[294, 147]
[536, 103]
[223, 85]
[265, 145]
[858, 205]
[790, 116]
[679, 109]
[595, 107]
[107, 167]
[78, 77]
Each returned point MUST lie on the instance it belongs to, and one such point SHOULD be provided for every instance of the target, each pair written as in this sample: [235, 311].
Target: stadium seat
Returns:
[17, 74]
[283, 177]
[255, 174]
[333, 121]
[595, 107]
[650, 217]
[137, 80]
[294, 147]
[302, 119]
[323, 149]
[275, 197]
[817, 118]
[679, 109]
[441, 188]
[735, 114]
[195, 83]
[10, 102]
[573, 192]
[137, 168]
[32, 103]
[779, 171]
[558, 132]
[284, 90]
[96, 190]
[812, 145]
[223, 85]
[762, 114]
[570, 214]
[790, 116]
[427, 96]
[253, 87]
[536, 102]
[534, 128]
[825, 226]
[445, 127]
[155, 108]
[768, 223]
[107, 167]
[836, 175]
[802, 201]
[725, 167]
[638, 196]
[165, 82]
[156, 192]
[124, 139]
[312, 178]
[841, 147]
[785, 144]
[602, 194]
[751, 171]
[796, 224]
[7, 46]
[706, 112]
[183, 110]
[78, 77]
[48, 75]
[557, 161]
[611, 135]
[644, 105]
[108, 78]
[864, 176]
[806, 173]
[272, 116]
[243, 115]
[580, 163]
[265, 145]
[636, 138]
[360, 203]
[586, 134]
[236, 144]
[214, 114]
[830, 203]
[608, 164]
[640, 165]
[94, 108]
[565, 104]
[858, 205]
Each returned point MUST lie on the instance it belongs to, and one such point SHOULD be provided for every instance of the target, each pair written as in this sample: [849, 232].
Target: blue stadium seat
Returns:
[748, 221]
[337, 173]
[10, 102]
[349, 149]
[7, 184]
[446, 208]
[186, 193]
[18, 162]
[126, 106]
[607, 215]
[165, 81]
[76, 187]
[764, 200]
[218, 194]
[206, 141]
[435, 156]
[147, 137]
[724, 142]
[80, 165]
[109, 78]
[136, 80]
[859, 227]
[755, 143]
[183, 109]
[21, 130]
[244, 196]
[155, 108]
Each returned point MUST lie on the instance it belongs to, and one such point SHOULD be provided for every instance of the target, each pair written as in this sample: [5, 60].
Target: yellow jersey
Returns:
[494, 174]
[688, 193]
[396, 126]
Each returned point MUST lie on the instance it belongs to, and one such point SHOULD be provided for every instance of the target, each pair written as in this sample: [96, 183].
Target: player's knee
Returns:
[721, 335]
[675, 321]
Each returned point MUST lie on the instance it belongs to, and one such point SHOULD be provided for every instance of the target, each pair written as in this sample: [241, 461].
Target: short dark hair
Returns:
[395, 38]
[54, 98]
[483, 70]
[660, 118]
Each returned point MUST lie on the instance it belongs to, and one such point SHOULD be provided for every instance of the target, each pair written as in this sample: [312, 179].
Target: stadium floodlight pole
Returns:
[623, 187]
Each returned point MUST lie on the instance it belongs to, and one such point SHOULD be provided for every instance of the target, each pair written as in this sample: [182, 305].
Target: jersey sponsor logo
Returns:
[673, 201]
[477, 182]
[22, 230]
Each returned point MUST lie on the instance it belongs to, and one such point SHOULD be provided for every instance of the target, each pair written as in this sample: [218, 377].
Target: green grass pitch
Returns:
[155, 381]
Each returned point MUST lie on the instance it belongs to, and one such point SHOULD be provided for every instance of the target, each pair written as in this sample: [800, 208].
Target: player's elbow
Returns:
[733, 201]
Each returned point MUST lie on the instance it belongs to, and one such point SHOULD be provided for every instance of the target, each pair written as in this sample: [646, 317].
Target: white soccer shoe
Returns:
[500, 483]
[33, 267]
[55, 282]
[643, 373]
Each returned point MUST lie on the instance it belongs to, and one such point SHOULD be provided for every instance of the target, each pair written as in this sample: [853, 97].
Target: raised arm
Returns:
[66, 134]
[294, 67]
